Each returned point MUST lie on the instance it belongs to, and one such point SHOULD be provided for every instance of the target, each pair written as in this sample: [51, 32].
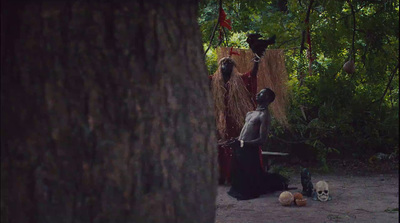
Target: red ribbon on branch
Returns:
[223, 22]
[231, 52]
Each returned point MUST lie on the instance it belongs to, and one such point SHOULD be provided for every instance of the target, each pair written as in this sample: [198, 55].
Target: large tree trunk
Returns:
[105, 113]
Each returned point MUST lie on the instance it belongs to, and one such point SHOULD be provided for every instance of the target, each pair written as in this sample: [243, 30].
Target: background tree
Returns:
[105, 113]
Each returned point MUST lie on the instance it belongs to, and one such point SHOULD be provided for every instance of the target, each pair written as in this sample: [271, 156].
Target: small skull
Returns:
[322, 190]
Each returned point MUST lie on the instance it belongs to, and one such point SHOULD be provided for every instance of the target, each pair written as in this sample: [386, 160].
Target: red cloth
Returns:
[232, 130]
[223, 21]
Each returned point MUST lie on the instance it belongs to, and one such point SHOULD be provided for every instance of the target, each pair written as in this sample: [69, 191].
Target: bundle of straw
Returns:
[271, 74]
[238, 104]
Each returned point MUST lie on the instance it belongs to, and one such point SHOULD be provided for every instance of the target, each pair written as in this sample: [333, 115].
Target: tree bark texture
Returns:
[106, 114]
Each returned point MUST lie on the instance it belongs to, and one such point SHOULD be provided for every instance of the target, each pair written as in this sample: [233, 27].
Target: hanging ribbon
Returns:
[223, 22]
[231, 52]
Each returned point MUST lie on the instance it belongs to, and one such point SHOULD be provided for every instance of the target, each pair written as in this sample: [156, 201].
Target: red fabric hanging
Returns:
[231, 52]
[223, 21]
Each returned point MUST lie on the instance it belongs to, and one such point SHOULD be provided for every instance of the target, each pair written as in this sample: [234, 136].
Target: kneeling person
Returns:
[248, 177]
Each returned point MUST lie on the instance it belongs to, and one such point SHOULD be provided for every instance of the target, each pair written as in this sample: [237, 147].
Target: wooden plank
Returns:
[274, 153]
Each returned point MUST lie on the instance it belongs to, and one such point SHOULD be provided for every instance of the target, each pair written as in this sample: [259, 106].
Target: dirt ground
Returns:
[364, 197]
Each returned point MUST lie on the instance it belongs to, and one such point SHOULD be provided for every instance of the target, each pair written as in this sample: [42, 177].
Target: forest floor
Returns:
[359, 194]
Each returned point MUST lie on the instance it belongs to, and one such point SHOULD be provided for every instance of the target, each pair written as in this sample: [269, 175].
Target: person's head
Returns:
[227, 65]
[265, 96]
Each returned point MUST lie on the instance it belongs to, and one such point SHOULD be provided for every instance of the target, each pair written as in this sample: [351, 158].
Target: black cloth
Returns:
[248, 179]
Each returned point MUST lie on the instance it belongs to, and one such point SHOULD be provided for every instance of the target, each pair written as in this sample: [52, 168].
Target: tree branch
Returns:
[354, 30]
[306, 21]
[287, 41]
[390, 81]
[215, 29]
[302, 47]
[212, 37]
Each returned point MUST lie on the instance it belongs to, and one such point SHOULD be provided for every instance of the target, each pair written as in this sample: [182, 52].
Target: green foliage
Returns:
[392, 210]
[332, 113]
[211, 60]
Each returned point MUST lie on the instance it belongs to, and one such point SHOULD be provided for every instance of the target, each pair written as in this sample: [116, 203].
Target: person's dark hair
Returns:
[270, 95]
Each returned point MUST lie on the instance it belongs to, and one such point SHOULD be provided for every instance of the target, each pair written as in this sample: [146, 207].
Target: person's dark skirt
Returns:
[248, 178]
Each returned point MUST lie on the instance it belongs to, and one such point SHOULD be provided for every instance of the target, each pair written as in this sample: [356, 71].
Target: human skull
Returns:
[322, 190]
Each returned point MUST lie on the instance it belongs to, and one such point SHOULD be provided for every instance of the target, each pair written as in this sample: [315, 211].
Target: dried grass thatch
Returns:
[271, 74]
[239, 102]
